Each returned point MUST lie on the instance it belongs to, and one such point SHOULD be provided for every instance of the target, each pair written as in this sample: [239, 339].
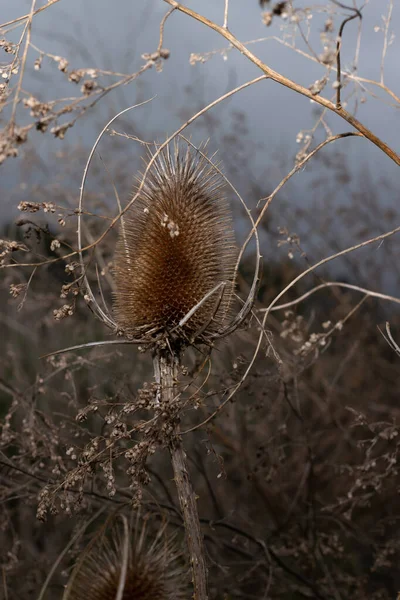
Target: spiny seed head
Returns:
[147, 568]
[175, 246]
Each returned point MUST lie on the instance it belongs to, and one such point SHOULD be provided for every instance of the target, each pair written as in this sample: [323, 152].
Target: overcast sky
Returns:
[114, 35]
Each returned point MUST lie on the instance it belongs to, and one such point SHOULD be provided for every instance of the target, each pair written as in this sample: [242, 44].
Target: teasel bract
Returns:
[127, 562]
[175, 256]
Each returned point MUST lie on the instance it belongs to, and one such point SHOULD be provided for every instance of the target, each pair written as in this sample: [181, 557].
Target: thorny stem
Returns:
[166, 373]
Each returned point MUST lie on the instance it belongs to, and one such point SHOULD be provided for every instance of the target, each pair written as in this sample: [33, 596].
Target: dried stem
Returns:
[356, 14]
[277, 77]
[28, 30]
[167, 369]
[28, 16]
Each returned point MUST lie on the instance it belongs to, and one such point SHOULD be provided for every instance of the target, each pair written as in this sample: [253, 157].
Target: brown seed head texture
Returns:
[175, 245]
[154, 569]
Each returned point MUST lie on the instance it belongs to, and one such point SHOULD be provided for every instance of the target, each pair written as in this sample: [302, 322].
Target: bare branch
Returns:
[271, 74]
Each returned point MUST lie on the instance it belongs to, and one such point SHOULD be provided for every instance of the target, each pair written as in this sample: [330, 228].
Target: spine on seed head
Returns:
[175, 252]
[144, 566]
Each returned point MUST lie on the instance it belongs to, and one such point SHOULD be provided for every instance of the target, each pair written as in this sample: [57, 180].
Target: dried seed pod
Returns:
[176, 251]
[128, 564]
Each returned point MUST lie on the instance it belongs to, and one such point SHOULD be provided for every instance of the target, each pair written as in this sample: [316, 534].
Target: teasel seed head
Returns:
[176, 251]
[127, 563]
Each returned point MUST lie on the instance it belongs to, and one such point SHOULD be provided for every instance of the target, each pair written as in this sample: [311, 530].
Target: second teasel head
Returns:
[176, 251]
[131, 561]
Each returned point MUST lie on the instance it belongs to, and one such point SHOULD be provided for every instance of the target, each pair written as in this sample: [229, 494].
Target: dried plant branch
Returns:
[162, 26]
[90, 345]
[348, 286]
[344, 73]
[387, 21]
[329, 259]
[28, 16]
[271, 74]
[389, 338]
[46, 113]
[357, 14]
[97, 309]
[226, 10]
[125, 559]
[269, 309]
[23, 62]
[293, 171]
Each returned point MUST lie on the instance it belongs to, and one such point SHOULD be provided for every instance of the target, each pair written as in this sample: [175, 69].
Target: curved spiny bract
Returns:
[128, 559]
[175, 246]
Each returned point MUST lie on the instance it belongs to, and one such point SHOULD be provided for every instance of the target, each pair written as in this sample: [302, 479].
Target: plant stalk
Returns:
[166, 373]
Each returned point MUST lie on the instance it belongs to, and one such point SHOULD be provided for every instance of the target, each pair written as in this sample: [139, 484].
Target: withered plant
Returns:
[175, 267]
[123, 561]
[299, 500]
[175, 257]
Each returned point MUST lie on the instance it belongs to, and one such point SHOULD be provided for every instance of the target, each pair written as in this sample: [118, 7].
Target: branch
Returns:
[271, 74]
[28, 16]
[270, 308]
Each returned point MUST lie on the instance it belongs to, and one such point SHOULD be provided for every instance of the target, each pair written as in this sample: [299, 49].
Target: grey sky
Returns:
[114, 35]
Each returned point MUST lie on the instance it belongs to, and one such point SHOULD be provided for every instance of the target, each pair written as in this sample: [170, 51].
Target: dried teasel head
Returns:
[128, 563]
[175, 256]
